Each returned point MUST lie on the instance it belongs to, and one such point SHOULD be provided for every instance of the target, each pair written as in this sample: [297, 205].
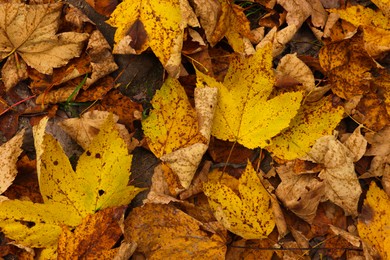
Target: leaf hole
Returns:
[55, 163]
[101, 192]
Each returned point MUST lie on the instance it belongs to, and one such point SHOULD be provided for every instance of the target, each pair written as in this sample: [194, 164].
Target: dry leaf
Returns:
[348, 66]
[300, 193]
[9, 153]
[292, 66]
[94, 237]
[172, 234]
[102, 61]
[341, 184]
[24, 33]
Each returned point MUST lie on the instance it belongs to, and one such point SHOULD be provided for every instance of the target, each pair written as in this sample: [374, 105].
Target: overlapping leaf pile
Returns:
[321, 115]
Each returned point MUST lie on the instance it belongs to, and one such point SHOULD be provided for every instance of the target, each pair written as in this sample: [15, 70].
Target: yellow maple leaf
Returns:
[313, 121]
[360, 15]
[248, 215]
[163, 22]
[176, 132]
[374, 221]
[244, 111]
[173, 123]
[100, 181]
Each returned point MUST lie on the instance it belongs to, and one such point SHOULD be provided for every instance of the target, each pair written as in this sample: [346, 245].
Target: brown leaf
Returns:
[103, 7]
[30, 32]
[94, 237]
[171, 234]
[348, 66]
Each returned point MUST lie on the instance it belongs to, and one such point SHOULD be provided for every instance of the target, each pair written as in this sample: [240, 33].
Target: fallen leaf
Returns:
[249, 215]
[341, 184]
[348, 66]
[84, 129]
[297, 11]
[383, 5]
[104, 7]
[69, 196]
[208, 12]
[177, 133]
[102, 61]
[171, 234]
[278, 39]
[371, 111]
[360, 15]
[312, 121]
[292, 66]
[162, 21]
[9, 153]
[24, 33]
[94, 237]
[300, 193]
[244, 113]
[374, 220]
[234, 25]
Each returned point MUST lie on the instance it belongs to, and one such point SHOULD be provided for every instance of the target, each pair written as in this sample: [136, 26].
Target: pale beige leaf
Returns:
[379, 144]
[9, 153]
[278, 39]
[300, 193]
[205, 104]
[291, 65]
[30, 31]
[12, 72]
[39, 133]
[297, 11]
[357, 144]
[341, 184]
[318, 15]
[208, 12]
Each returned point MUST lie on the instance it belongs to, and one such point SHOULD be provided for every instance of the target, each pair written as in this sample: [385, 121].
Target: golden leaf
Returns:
[374, 221]
[248, 215]
[244, 113]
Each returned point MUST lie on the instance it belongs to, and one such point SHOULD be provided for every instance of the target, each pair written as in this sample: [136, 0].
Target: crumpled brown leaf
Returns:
[30, 31]
[341, 183]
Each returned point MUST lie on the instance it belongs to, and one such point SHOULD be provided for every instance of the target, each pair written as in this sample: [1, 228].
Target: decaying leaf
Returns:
[154, 23]
[300, 193]
[177, 133]
[244, 113]
[9, 153]
[94, 237]
[234, 25]
[341, 184]
[30, 31]
[375, 219]
[100, 181]
[312, 121]
[249, 215]
[348, 66]
[172, 234]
